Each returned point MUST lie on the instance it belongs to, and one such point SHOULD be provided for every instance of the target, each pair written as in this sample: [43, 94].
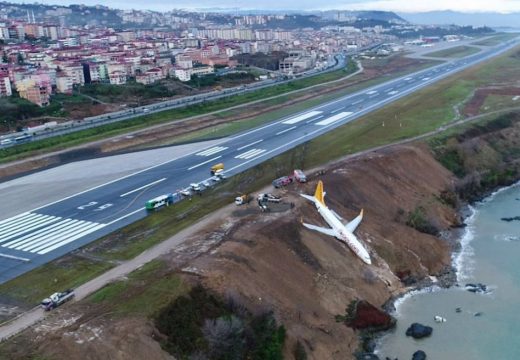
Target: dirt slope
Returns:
[308, 278]
[270, 262]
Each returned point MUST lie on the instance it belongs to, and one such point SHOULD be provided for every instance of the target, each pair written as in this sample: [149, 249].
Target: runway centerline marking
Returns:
[316, 118]
[142, 187]
[284, 131]
[204, 163]
[248, 145]
[338, 109]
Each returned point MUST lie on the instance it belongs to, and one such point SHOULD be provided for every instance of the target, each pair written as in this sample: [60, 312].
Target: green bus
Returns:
[159, 201]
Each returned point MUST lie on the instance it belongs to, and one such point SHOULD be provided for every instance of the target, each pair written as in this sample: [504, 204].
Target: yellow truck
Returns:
[217, 168]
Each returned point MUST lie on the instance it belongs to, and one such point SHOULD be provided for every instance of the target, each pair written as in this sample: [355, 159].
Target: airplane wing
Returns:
[337, 215]
[322, 230]
[352, 226]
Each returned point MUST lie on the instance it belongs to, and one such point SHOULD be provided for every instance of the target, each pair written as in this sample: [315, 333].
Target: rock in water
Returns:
[418, 331]
[419, 355]
[477, 288]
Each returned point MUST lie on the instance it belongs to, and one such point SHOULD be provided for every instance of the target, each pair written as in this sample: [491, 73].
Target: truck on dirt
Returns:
[299, 176]
[283, 181]
[217, 167]
[57, 299]
[269, 198]
[243, 199]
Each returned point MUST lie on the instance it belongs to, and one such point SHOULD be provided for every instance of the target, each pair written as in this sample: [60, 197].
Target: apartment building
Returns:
[5, 85]
[64, 84]
[35, 89]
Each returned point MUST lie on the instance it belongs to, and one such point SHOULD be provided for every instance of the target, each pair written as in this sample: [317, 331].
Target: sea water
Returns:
[488, 325]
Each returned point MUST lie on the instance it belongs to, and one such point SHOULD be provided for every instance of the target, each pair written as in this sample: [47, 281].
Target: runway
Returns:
[37, 236]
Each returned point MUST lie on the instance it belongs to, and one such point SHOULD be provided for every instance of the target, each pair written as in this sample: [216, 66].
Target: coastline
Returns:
[459, 238]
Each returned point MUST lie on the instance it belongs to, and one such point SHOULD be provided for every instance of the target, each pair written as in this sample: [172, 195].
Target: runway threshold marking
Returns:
[249, 154]
[248, 145]
[286, 130]
[211, 151]
[142, 187]
[43, 237]
[204, 163]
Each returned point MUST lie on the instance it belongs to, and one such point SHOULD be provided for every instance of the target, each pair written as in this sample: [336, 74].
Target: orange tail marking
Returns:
[319, 195]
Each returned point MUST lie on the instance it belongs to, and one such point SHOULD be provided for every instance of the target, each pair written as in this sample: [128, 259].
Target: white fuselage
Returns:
[342, 233]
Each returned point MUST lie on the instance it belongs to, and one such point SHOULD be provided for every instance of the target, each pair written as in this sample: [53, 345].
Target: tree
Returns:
[225, 337]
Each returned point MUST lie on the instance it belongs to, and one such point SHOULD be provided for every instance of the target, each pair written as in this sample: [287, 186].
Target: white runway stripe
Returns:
[249, 154]
[297, 119]
[18, 222]
[337, 117]
[62, 235]
[42, 232]
[39, 233]
[11, 219]
[27, 227]
[65, 242]
[249, 145]
[212, 151]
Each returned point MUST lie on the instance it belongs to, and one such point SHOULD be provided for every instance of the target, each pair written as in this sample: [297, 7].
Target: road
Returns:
[9, 140]
[35, 237]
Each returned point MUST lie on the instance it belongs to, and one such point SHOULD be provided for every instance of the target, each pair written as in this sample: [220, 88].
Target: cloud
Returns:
[467, 6]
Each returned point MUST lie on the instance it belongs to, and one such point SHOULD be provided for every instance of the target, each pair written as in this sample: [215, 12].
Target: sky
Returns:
[402, 6]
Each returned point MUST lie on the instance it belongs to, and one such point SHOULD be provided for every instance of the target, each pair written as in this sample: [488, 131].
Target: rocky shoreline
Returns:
[446, 279]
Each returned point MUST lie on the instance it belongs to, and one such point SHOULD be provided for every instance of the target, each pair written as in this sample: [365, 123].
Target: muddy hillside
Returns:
[268, 261]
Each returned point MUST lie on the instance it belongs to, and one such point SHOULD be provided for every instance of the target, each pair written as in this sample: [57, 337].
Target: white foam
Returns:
[494, 194]
[507, 237]
[463, 260]
[400, 301]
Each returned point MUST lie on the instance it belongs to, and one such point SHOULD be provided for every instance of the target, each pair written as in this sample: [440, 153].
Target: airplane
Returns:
[341, 231]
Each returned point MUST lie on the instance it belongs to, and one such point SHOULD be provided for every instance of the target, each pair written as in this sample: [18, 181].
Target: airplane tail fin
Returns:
[319, 195]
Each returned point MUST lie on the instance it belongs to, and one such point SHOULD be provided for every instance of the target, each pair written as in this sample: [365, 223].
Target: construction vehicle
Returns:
[269, 198]
[264, 199]
[57, 299]
[243, 199]
[159, 201]
[217, 167]
[299, 176]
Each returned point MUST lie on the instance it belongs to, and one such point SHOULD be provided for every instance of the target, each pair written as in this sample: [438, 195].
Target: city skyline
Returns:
[401, 6]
